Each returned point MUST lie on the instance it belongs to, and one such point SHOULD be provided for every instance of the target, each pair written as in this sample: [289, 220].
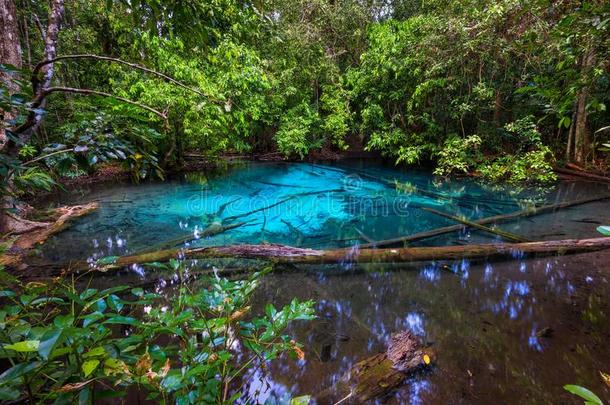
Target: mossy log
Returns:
[379, 375]
[282, 254]
[499, 232]
[528, 212]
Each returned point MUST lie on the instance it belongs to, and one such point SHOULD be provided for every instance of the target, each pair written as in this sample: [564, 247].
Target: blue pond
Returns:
[484, 320]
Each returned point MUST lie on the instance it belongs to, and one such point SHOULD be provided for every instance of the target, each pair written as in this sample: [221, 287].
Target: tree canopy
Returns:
[503, 88]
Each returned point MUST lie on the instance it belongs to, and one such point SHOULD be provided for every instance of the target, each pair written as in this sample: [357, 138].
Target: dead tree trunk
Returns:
[281, 254]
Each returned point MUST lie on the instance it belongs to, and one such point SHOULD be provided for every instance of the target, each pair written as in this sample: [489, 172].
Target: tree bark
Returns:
[10, 54]
[56, 13]
[380, 374]
[582, 139]
[281, 254]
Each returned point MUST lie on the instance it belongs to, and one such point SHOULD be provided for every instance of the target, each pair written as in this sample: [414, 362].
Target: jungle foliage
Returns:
[66, 343]
[504, 88]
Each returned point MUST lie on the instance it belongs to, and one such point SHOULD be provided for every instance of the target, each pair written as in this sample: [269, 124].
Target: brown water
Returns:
[483, 322]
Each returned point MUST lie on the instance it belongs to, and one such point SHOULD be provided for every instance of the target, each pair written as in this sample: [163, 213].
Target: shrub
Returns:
[66, 345]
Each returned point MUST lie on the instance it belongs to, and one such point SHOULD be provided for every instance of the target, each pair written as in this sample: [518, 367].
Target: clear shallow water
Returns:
[482, 318]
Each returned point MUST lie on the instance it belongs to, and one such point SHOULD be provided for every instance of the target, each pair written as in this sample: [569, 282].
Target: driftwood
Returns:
[281, 254]
[488, 220]
[37, 236]
[377, 376]
[499, 232]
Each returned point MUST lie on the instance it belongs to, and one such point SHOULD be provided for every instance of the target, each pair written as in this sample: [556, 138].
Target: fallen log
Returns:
[379, 375]
[499, 232]
[37, 236]
[281, 254]
[528, 212]
[585, 175]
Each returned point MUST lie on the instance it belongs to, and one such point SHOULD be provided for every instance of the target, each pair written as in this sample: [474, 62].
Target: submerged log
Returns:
[213, 229]
[287, 254]
[379, 375]
[499, 232]
[528, 212]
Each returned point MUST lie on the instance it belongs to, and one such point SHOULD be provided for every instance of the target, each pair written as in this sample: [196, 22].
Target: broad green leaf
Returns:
[95, 352]
[115, 303]
[101, 305]
[604, 230]
[18, 370]
[48, 342]
[92, 318]
[584, 393]
[89, 366]
[122, 320]
[24, 346]
[63, 321]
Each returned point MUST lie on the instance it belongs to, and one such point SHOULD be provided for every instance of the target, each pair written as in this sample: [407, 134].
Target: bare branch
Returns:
[38, 101]
[103, 94]
[40, 28]
[35, 80]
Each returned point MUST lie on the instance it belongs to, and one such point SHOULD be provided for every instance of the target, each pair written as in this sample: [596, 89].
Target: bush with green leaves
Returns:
[63, 344]
[458, 155]
[298, 131]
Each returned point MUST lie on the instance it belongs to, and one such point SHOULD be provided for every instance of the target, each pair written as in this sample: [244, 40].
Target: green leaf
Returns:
[63, 321]
[604, 230]
[122, 320]
[302, 400]
[172, 382]
[115, 303]
[18, 370]
[9, 394]
[24, 346]
[48, 343]
[584, 393]
[89, 366]
[95, 352]
[106, 260]
[101, 305]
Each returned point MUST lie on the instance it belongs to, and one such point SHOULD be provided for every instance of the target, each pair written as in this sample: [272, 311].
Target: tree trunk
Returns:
[281, 254]
[10, 54]
[50, 52]
[582, 139]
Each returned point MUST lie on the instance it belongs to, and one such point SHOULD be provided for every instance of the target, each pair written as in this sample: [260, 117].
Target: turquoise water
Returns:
[311, 205]
[483, 319]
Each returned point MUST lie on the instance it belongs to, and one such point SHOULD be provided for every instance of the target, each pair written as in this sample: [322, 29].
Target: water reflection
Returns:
[499, 332]
[486, 321]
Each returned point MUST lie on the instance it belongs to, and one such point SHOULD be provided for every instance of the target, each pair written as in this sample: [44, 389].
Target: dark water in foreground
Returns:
[483, 319]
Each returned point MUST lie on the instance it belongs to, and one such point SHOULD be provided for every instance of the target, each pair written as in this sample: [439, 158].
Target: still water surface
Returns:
[484, 320]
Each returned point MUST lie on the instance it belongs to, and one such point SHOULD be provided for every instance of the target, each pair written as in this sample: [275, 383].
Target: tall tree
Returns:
[10, 54]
